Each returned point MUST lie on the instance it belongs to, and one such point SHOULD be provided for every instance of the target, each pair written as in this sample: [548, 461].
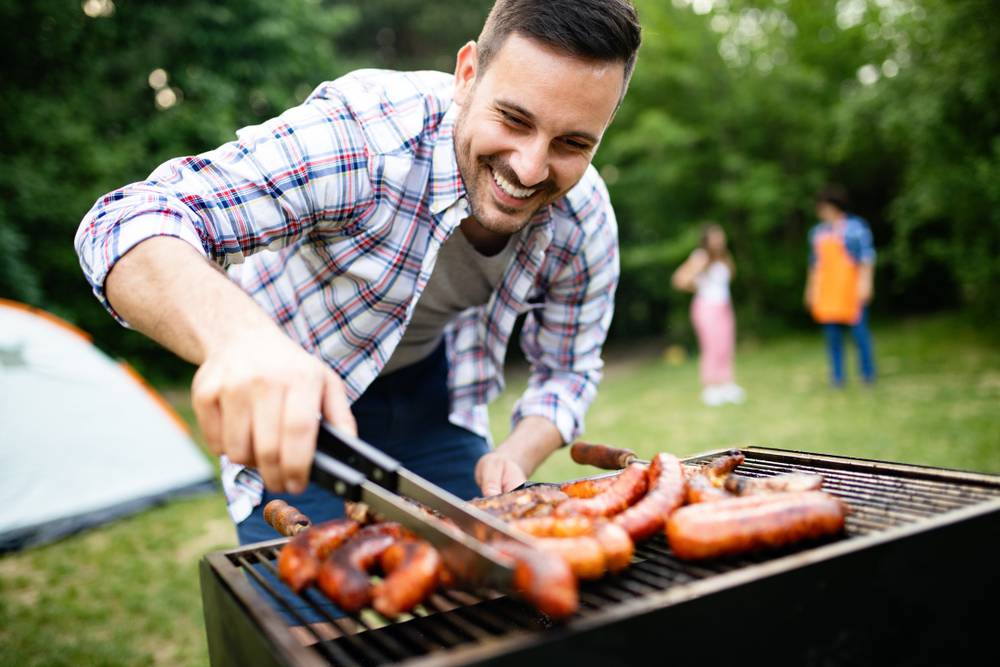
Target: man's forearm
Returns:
[165, 289]
[532, 441]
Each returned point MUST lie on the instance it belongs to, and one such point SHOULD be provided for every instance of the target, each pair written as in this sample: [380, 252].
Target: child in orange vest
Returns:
[839, 285]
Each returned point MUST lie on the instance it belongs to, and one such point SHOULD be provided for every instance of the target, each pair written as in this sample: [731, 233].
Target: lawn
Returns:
[127, 594]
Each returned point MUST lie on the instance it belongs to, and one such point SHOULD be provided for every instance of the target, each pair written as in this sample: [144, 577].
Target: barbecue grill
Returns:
[914, 580]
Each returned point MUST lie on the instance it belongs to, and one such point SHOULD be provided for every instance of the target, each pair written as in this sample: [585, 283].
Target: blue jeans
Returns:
[835, 349]
[405, 414]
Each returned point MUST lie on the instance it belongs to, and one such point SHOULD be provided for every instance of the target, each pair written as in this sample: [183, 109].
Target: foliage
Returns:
[739, 110]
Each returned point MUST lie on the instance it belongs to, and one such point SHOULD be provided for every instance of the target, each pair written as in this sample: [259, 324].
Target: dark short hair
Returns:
[834, 194]
[602, 30]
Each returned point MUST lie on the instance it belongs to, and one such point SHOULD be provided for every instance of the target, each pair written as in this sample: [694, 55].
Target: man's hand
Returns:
[258, 400]
[257, 394]
[497, 473]
[509, 465]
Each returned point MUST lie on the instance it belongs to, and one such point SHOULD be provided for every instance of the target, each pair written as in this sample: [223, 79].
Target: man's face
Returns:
[827, 212]
[528, 127]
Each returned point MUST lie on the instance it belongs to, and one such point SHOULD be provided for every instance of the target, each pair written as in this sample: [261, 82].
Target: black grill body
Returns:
[914, 580]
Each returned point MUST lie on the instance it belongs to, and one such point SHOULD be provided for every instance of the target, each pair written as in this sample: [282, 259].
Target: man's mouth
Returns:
[509, 188]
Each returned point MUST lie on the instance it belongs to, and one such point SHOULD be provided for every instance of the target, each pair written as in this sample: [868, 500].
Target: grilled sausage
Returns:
[533, 501]
[587, 488]
[584, 554]
[707, 483]
[543, 579]
[616, 546]
[413, 568]
[740, 525]
[344, 576]
[627, 488]
[284, 518]
[300, 559]
[667, 490]
[789, 483]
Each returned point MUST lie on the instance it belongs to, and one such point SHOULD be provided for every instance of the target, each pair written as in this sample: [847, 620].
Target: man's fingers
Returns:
[299, 428]
[235, 407]
[488, 474]
[205, 401]
[266, 435]
[336, 408]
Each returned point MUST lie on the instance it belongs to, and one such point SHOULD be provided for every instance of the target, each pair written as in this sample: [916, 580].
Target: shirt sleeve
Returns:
[866, 249]
[563, 339]
[276, 182]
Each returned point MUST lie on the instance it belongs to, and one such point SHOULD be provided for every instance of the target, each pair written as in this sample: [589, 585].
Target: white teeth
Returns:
[510, 188]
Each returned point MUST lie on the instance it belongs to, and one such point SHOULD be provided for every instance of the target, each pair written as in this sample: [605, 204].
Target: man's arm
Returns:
[683, 278]
[866, 282]
[146, 249]
[257, 394]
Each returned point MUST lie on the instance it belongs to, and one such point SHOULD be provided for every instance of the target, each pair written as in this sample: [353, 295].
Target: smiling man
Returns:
[381, 239]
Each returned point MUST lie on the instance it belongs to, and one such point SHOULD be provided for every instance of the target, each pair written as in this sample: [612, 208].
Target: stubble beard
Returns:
[474, 173]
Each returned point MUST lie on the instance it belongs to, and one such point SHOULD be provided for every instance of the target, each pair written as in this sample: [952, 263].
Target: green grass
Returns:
[127, 593]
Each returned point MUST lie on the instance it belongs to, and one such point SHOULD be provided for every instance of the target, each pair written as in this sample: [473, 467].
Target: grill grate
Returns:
[881, 496]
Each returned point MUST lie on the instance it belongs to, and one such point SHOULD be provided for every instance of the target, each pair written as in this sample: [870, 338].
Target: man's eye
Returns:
[513, 120]
[577, 145]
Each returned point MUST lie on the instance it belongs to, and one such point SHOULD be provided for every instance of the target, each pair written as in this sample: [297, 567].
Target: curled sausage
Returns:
[627, 488]
[740, 525]
[667, 490]
[344, 576]
[543, 579]
[413, 568]
[300, 559]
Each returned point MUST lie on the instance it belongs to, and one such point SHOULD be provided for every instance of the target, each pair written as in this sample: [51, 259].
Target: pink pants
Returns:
[715, 325]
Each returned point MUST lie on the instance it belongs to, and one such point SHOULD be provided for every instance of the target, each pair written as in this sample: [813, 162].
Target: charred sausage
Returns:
[284, 518]
[345, 575]
[667, 490]
[300, 559]
[413, 568]
[533, 501]
[740, 525]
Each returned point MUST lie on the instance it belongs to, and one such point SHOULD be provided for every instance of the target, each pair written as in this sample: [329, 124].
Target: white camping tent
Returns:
[82, 439]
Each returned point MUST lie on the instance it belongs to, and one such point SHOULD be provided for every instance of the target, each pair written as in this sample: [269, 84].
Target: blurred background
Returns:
[738, 113]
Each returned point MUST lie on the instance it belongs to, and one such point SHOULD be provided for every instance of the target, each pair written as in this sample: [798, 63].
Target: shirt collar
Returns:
[446, 186]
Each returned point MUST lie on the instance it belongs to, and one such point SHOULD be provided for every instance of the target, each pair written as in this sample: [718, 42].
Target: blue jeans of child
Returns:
[405, 414]
[834, 334]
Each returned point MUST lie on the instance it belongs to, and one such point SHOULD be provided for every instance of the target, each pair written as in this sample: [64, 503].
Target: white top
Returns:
[713, 283]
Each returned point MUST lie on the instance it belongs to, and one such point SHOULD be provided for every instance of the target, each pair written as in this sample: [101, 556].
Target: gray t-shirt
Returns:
[462, 278]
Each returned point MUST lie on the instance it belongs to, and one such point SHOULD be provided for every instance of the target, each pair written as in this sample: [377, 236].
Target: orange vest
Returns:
[835, 299]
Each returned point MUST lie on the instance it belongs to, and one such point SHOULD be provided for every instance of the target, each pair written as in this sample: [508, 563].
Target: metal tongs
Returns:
[356, 470]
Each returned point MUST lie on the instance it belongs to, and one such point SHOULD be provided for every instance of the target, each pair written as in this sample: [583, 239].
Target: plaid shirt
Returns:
[353, 193]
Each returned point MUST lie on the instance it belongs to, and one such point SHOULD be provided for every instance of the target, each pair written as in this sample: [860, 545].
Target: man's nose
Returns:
[531, 162]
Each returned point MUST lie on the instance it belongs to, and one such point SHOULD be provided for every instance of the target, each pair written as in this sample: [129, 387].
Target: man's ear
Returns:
[466, 64]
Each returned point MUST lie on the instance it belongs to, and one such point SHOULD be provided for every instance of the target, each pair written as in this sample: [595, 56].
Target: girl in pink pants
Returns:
[707, 272]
